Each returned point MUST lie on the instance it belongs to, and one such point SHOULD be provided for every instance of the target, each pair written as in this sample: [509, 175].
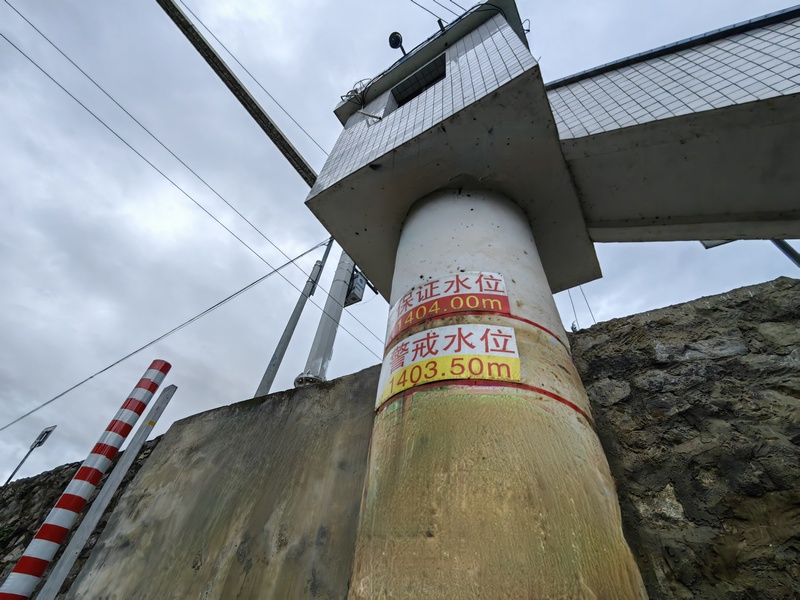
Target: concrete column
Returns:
[493, 486]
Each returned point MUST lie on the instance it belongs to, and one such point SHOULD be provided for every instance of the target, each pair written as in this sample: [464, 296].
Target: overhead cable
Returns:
[578, 325]
[185, 193]
[176, 157]
[580, 287]
[447, 8]
[425, 9]
[253, 77]
[161, 337]
[239, 91]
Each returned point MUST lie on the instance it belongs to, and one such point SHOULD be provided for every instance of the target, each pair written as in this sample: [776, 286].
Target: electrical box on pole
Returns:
[355, 291]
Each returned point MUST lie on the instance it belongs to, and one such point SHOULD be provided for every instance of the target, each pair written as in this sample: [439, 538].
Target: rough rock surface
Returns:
[698, 409]
[25, 503]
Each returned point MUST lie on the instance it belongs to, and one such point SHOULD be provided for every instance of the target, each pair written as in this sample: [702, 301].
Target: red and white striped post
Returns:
[26, 574]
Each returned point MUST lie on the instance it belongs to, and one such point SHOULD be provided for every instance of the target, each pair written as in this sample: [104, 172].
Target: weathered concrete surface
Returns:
[25, 503]
[489, 493]
[698, 408]
[255, 500]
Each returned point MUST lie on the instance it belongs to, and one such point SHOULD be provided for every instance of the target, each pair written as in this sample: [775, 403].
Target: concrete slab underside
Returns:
[730, 173]
[487, 145]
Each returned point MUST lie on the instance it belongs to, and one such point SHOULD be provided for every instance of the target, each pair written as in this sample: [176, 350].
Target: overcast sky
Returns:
[99, 254]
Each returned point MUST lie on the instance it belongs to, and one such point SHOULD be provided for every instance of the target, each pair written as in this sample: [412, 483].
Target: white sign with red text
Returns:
[461, 292]
[451, 352]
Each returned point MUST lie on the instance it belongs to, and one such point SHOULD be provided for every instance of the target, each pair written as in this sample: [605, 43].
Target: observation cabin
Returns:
[467, 108]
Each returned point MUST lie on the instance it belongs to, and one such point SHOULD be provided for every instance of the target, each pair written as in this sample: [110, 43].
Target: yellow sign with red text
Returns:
[463, 292]
[451, 352]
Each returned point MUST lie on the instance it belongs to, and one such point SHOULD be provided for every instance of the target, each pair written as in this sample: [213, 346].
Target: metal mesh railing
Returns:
[753, 65]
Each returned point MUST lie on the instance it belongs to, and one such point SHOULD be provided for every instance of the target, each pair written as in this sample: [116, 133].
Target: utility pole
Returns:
[322, 347]
[283, 343]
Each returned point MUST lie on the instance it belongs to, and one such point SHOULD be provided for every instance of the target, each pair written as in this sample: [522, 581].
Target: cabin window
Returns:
[414, 85]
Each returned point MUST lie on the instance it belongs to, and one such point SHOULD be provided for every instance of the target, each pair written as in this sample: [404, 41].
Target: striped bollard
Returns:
[28, 571]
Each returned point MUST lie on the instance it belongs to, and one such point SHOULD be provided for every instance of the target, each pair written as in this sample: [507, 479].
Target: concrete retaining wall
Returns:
[255, 500]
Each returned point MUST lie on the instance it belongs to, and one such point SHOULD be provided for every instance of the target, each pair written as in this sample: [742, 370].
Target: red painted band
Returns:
[542, 327]
[147, 384]
[489, 383]
[557, 398]
[89, 475]
[119, 427]
[10, 596]
[71, 502]
[161, 365]
[468, 313]
[135, 405]
[105, 450]
[52, 533]
[30, 565]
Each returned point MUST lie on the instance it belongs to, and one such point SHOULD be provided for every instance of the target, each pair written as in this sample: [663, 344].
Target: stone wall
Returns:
[697, 407]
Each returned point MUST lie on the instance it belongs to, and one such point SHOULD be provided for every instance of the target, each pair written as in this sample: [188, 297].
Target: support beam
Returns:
[238, 89]
[790, 252]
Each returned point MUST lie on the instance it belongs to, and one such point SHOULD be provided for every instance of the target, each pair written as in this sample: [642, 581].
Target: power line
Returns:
[161, 337]
[150, 133]
[139, 154]
[458, 5]
[185, 193]
[447, 8]
[176, 157]
[580, 287]
[233, 56]
[573, 309]
[425, 9]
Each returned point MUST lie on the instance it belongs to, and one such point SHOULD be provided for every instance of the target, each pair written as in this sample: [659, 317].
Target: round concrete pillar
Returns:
[486, 478]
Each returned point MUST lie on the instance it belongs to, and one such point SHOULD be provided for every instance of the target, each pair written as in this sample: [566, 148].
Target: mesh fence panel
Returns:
[753, 65]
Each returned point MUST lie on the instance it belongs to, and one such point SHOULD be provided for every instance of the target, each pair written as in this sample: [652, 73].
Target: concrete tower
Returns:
[469, 192]
[448, 188]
